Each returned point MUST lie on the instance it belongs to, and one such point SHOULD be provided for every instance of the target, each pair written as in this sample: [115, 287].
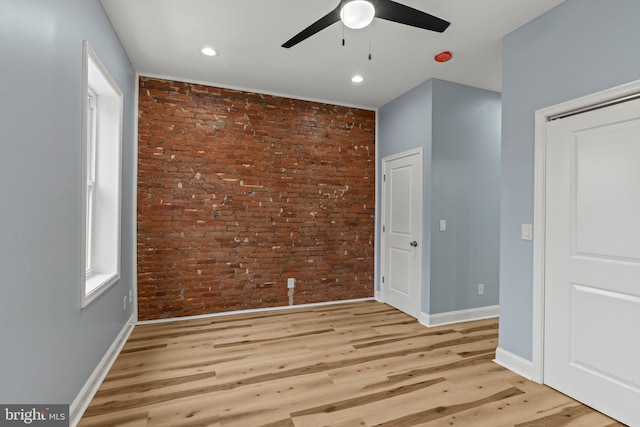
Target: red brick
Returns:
[238, 191]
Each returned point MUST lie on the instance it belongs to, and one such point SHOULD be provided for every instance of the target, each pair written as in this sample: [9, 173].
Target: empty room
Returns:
[338, 212]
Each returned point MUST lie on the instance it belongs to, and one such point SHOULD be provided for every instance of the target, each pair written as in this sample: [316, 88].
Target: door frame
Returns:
[383, 220]
[543, 116]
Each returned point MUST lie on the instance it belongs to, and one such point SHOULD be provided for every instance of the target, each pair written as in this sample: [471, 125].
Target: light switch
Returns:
[527, 231]
[443, 225]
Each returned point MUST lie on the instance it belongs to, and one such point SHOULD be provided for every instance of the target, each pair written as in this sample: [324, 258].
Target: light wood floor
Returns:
[360, 364]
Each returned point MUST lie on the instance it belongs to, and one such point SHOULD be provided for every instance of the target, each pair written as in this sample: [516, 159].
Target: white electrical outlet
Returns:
[130, 295]
[480, 289]
[291, 283]
[443, 225]
[124, 304]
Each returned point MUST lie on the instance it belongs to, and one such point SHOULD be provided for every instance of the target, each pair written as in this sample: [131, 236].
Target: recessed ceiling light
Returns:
[209, 51]
[357, 79]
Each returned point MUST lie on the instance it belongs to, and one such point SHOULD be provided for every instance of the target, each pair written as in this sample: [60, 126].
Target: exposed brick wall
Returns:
[238, 191]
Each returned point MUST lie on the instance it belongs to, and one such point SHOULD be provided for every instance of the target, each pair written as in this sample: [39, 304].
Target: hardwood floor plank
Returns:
[503, 413]
[560, 419]
[154, 385]
[354, 364]
[145, 348]
[287, 422]
[488, 327]
[491, 350]
[414, 373]
[411, 337]
[276, 338]
[181, 333]
[254, 406]
[123, 375]
[369, 398]
[136, 418]
[408, 321]
[442, 411]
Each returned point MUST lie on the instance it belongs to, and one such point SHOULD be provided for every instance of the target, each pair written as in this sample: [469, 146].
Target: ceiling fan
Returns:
[359, 14]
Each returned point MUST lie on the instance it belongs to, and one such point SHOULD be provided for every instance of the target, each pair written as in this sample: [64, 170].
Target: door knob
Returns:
[414, 244]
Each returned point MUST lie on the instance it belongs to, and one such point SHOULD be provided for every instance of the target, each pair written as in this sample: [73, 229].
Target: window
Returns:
[102, 147]
[92, 101]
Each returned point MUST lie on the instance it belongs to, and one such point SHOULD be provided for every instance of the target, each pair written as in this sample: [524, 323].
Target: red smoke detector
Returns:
[443, 56]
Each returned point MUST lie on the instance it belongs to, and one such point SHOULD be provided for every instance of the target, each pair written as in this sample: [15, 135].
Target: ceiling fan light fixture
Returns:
[357, 14]
[209, 51]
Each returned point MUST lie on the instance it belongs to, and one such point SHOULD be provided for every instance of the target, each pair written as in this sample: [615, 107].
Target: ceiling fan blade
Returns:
[322, 23]
[396, 12]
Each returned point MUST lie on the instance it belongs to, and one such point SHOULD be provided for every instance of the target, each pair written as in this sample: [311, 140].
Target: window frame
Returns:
[90, 144]
[102, 122]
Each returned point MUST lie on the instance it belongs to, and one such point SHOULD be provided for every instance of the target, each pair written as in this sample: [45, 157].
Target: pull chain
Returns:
[343, 34]
[342, 5]
[370, 33]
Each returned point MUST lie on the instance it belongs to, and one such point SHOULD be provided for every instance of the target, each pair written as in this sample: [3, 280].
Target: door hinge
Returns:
[383, 228]
[382, 279]
[384, 177]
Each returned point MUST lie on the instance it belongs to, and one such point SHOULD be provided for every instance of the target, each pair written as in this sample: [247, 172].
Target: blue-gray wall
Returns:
[578, 48]
[405, 124]
[459, 128]
[49, 345]
[465, 191]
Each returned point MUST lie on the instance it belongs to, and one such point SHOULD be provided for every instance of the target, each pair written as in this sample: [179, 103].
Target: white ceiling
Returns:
[164, 38]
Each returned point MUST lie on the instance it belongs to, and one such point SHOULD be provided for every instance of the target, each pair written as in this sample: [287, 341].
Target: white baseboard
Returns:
[514, 363]
[378, 296]
[83, 399]
[254, 310]
[459, 316]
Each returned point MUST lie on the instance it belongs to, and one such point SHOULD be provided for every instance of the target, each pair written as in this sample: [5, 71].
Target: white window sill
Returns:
[96, 284]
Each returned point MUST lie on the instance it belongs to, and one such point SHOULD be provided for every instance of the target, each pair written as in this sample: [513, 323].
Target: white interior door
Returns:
[592, 259]
[402, 231]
